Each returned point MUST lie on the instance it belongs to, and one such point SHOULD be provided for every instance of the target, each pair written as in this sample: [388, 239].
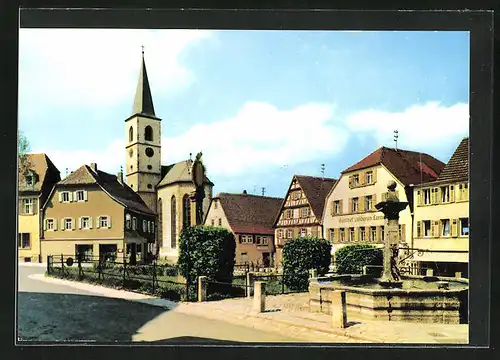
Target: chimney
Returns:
[93, 166]
[244, 192]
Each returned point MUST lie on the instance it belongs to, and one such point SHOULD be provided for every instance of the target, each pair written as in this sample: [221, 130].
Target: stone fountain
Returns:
[392, 296]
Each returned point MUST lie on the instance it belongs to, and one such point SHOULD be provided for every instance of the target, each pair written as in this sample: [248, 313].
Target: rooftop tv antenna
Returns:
[263, 191]
[323, 171]
[396, 135]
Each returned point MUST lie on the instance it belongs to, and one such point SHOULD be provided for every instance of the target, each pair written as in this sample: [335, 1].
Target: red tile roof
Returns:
[409, 167]
[316, 190]
[250, 214]
[457, 167]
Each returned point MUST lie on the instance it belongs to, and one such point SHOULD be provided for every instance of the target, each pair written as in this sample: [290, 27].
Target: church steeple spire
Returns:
[143, 101]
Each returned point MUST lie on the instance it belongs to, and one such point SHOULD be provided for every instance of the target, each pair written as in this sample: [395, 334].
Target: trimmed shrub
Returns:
[301, 255]
[206, 251]
[350, 259]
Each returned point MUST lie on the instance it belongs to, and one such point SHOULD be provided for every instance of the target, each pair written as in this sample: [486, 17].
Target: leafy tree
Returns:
[23, 148]
[301, 255]
[206, 251]
[350, 259]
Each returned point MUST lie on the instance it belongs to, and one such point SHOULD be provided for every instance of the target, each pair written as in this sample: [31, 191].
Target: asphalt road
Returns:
[52, 313]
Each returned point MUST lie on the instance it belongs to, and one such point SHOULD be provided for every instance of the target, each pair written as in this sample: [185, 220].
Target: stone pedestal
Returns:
[259, 296]
[429, 272]
[250, 277]
[339, 309]
[458, 275]
[202, 288]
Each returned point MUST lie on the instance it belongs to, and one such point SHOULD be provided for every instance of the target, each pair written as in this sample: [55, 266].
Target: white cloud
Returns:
[261, 137]
[427, 127]
[99, 67]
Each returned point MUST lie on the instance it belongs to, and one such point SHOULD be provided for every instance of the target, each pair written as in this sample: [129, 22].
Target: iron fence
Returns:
[153, 279]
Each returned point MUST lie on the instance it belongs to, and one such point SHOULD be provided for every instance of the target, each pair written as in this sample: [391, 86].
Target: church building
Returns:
[166, 189]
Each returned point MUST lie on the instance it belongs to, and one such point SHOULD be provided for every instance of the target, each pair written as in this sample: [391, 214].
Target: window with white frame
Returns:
[84, 222]
[246, 239]
[280, 234]
[463, 191]
[305, 212]
[355, 204]
[80, 195]
[28, 206]
[382, 234]
[50, 224]
[445, 227]
[134, 223]
[261, 240]
[427, 196]
[289, 234]
[464, 227]
[303, 232]
[265, 240]
[65, 197]
[331, 233]
[368, 202]
[369, 177]
[427, 228]
[445, 194]
[362, 234]
[342, 235]
[152, 227]
[373, 234]
[68, 224]
[355, 180]
[144, 226]
[128, 219]
[351, 234]
[104, 221]
[336, 207]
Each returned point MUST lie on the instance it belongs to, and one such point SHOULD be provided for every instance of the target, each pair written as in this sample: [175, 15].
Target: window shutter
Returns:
[45, 224]
[350, 181]
[435, 228]
[35, 206]
[62, 225]
[109, 222]
[362, 178]
[454, 227]
[55, 224]
[374, 201]
[337, 234]
[333, 207]
[361, 204]
[367, 234]
[98, 222]
[350, 205]
[73, 224]
[79, 223]
[403, 233]
[75, 195]
[419, 198]
[419, 229]
[384, 196]
[20, 203]
[70, 196]
[452, 193]
[374, 176]
[90, 222]
[340, 206]
[60, 196]
[85, 197]
[356, 230]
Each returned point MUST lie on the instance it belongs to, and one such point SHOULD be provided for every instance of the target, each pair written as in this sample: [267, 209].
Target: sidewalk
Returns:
[288, 315]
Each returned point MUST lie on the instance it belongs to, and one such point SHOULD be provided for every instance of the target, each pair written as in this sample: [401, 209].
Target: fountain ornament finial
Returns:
[391, 185]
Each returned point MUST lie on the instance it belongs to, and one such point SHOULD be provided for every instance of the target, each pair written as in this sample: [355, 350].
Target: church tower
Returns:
[143, 143]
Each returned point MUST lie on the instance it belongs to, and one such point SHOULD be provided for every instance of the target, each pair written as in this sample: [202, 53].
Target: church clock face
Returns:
[149, 152]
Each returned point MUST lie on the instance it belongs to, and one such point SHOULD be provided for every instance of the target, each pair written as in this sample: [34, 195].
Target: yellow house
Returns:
[93, 213]
[301, 212]
[34, 188]
[250, 218]
[350, 215]
[442, 217]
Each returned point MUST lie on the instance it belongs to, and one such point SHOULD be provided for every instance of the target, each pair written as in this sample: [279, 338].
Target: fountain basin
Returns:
[421, 299]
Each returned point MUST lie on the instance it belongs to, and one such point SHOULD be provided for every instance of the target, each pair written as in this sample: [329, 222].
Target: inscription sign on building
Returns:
[353, 219]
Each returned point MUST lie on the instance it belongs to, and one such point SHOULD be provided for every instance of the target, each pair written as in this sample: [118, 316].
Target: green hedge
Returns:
[206, 251]
[302, 254]
[350, 259]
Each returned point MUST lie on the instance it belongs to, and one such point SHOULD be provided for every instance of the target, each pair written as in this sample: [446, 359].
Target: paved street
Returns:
[53, 312]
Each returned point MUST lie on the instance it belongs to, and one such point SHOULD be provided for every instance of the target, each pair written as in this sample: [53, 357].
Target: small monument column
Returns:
[391, 208]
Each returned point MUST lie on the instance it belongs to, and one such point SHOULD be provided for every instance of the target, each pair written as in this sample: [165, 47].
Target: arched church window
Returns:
[186, 211]
[173, 219]
[127, 221]
[148, 133]
[131, 134]
[160, 224]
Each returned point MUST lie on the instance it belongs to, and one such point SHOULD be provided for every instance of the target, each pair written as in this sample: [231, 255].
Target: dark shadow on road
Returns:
[50, 317]
[191, 340]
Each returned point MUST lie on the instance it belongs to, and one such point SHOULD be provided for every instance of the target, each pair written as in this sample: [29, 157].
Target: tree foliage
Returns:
[350, 259]
[301, 255]
[206, 251]
[23, 148]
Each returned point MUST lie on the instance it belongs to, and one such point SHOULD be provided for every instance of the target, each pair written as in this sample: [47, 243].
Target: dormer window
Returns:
[30, 178]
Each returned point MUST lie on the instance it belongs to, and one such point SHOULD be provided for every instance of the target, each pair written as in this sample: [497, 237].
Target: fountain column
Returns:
[391, 208]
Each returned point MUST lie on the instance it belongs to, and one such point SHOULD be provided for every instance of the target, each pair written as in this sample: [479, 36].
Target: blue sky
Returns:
[261, 105]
